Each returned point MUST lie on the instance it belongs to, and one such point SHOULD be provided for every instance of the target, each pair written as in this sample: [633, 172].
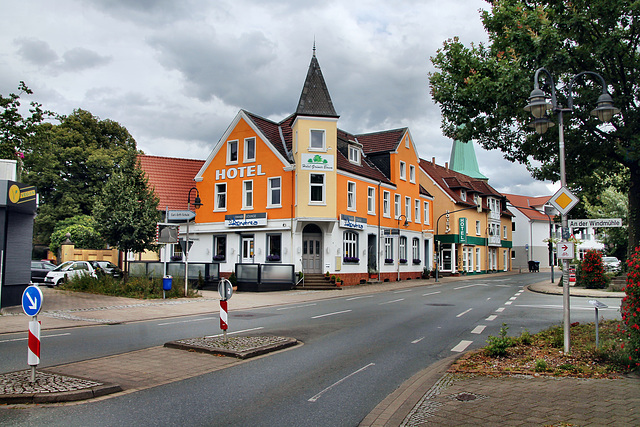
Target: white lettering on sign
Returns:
[601, 222]
[231, 173]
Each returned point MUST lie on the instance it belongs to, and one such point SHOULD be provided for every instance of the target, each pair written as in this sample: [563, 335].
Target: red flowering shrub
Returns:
[591, 271]
[630, 309]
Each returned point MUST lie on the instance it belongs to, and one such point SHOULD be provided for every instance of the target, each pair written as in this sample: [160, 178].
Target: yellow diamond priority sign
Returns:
[564, 200]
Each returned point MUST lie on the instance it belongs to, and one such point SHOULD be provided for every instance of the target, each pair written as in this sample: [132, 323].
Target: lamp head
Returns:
[605, 109]
[406, 222]
[197, 202]
[542, 124]
[538, 104]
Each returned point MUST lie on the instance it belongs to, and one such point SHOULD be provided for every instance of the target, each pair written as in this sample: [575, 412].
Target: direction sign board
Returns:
[180, 215]
[32, 300]
[564, 200]
[565, 250]
[599, 222]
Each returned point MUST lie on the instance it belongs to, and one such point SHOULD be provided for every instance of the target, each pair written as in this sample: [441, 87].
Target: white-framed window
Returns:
[274, 192]
[412, 174]
[478, 229]
[351, 196]
[220, 196]
[386, 204]
[219, 248]
[316, 188]
[247, 194]
[274, 247]
[463, 194]
[402, 249]
[513, 254]
[416, 210]
[415, 249]
[504, 231]
[406, 142]
[232, 152]
[317, 140]
[350, 245]
[426, 212]
[354, 154]
[407, 208]
[477, 259]
[388, 250]
[396, 206]
[249, 150]
[403, 170]
[371, 201]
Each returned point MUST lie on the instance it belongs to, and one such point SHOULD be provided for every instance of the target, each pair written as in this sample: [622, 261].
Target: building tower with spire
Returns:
[463, 160]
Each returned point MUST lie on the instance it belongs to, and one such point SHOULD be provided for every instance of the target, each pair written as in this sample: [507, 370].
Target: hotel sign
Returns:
[246, 220]
[317, 162]
[350, 221]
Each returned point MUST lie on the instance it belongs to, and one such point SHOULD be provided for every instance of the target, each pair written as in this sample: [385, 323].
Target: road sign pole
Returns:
[565, 263]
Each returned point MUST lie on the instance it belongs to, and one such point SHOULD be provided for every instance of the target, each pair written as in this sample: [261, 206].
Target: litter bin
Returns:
[166, 283]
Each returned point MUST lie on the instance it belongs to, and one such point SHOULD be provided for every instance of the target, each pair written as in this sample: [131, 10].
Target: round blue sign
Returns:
[32, 300]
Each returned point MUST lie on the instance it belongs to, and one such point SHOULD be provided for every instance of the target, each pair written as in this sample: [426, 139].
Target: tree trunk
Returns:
[634, 208]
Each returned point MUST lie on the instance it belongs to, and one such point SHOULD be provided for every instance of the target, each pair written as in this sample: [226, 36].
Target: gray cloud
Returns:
[36, 52]
[79, 58]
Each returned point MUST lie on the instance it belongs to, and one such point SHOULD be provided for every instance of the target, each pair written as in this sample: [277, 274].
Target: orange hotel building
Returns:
[304, 192]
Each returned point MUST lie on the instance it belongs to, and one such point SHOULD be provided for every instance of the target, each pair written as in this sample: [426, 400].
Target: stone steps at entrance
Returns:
[317, 282]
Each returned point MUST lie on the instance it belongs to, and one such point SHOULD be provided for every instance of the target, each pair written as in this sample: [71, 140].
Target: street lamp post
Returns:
[438, 241]
[406, 224]
[196, 204]
[538, 106]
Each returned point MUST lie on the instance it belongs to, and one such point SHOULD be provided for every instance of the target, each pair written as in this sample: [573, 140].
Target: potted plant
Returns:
[273, 258]
[333, 278]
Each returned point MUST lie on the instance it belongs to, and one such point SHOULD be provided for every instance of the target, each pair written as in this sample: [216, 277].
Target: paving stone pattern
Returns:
[20, 383]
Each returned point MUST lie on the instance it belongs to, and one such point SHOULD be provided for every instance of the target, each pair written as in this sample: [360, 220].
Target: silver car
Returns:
[611, 263]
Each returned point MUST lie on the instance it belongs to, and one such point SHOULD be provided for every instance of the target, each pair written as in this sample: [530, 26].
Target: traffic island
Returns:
[16, 387]
[238, 347]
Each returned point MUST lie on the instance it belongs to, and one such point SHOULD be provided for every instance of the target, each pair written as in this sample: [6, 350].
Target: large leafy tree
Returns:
[69, 164]
[127, 210]
[486, 86]
[82, 232]
[14, 127]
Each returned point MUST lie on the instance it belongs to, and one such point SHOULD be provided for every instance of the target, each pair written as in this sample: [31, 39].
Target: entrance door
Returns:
[247, 250]
[312, 253]
[372, 252]
[446, 258]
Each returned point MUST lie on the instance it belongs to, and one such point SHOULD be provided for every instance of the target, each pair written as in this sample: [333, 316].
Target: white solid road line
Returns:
[462, 346]
[330, 314]
[470, 286]
[355, 298]
[319, 395]
[478, 329]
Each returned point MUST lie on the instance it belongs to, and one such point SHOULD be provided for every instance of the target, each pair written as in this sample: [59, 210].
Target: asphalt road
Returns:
[356, 351]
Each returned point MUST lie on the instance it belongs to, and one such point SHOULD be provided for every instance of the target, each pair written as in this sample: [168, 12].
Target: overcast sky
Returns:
[175, 73]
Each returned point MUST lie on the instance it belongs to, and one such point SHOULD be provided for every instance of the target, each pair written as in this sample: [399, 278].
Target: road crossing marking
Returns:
[500, 310]
[462, 346]
[478, 329]
[508, 303]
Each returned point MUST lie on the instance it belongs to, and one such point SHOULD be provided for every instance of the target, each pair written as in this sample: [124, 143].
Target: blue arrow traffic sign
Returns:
[32, 300]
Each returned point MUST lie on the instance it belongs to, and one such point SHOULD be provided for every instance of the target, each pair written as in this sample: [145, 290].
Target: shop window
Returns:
[371, 201]
[350, 246]
[250, 150]
[351, 196]
[221, 196]
[402, 249]
[219, 248]
[275, 192]
[316, 142]
[247, 194]
[232, 152]
[274, 247]
[316, 191]
[386, 204]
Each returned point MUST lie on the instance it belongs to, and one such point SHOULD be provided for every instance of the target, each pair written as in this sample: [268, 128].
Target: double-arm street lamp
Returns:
[538, 106]
[196, 204]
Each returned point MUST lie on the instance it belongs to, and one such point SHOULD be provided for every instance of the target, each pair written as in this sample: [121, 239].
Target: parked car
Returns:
[611, 263]
[67, 270]
[39, 270]
[108, 268]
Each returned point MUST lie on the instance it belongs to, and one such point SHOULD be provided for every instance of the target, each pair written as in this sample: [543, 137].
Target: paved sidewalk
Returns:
[432, 396]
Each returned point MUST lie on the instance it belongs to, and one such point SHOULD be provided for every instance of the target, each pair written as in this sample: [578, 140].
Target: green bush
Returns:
[134, 287]
[541, 365]
[497, 346]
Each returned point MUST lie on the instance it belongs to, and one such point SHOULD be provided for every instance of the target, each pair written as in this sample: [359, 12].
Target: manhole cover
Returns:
[435, 304]
[466, 397]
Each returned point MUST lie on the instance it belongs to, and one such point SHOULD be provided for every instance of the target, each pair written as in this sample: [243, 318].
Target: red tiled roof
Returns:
[379, 142]
[523, 202]
[170, 178]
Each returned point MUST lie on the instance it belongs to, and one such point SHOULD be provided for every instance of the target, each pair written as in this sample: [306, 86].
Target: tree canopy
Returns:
[69, 164]
[82, 231]
[486, 86]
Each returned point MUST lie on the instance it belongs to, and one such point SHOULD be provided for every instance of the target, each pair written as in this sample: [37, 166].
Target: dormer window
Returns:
[463, 194]
[354, 154]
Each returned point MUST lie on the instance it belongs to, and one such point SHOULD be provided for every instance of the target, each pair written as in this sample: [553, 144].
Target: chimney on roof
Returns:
[433, 160]
[446, 165]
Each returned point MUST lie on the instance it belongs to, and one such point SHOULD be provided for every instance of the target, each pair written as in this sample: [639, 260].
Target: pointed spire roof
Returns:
[315, 99]
[463, 159]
